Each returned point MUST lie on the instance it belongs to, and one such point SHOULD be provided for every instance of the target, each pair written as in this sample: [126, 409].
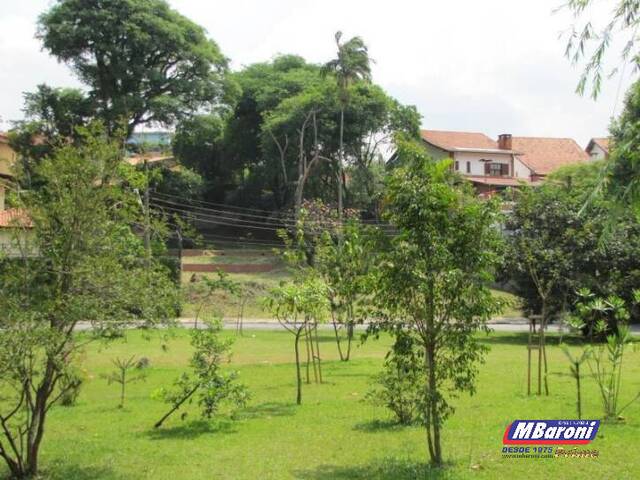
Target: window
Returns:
[457, 167]
[496, 169]
[468, 166]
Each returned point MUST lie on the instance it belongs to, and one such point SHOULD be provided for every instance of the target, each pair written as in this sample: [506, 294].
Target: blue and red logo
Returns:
[550, 432]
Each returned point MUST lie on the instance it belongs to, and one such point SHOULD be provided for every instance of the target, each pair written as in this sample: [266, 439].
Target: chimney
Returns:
[504, 141]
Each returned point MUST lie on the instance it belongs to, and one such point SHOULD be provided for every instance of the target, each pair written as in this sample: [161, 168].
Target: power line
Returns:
[202, 202]
[267, 220]
[227, 206]
[230, 215]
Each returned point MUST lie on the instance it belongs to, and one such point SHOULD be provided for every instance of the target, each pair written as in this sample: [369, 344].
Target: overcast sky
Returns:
[494, 66]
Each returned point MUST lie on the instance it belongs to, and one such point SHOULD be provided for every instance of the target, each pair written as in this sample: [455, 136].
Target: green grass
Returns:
[334, 434]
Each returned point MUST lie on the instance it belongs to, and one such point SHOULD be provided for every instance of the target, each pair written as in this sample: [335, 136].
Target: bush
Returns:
[70, 386]
[399, 386]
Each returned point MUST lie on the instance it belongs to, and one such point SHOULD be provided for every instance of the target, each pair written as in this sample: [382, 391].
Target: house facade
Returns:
[598, 148]
[7, 159]
[10, 218]
[493, 166]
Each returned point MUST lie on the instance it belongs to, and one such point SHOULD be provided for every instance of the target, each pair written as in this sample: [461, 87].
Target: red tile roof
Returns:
[452, 140]
[544, 154]
[14, 217]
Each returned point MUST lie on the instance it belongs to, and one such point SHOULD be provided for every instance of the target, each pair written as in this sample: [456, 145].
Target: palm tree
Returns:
[352, 65]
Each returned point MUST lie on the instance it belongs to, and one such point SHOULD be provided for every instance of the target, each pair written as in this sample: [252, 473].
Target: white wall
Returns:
[597, 153]
[477, 166]
[521, 170]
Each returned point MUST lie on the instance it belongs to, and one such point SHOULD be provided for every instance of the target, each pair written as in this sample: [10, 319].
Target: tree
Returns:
[623, 168]
[605, 360]
[214, 385]
[142, 61]
[351, 65]
[89, 267]
[263, 136]
[345, 267]
[298, 306]
[433, 282]
[198, 145]
[399, 386]
[561, 240]
[121, 375]
[52, 117]
[624, 20]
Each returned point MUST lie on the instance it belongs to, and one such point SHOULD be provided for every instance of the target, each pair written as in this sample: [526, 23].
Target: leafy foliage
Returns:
[345, 261]
[213, 385]
[561, 232]
[263, 135]
[400, 384]
[80, 262]
[297, 305]
[433, 281]
[605, 360]
[624, 20]
[623, 169]
[166, 69]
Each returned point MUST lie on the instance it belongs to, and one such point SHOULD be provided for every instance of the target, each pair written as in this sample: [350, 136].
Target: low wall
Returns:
[228, 268]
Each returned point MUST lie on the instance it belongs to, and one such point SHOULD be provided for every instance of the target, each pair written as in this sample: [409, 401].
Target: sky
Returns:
[493, 66]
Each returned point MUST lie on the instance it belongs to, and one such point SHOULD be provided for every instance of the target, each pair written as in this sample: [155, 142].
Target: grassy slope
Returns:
[262, 282]
[333, 435]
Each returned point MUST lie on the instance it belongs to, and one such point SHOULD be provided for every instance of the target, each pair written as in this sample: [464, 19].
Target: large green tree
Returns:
[561, 240]
[622, 173]
[80, 262]
[433, 281]
[142, 61]
[288, 115]
[52, 116]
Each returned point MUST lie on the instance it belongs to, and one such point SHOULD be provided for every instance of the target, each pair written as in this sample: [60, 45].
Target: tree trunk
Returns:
[298, 375]
[176, 406]
[335, 329]
[435, 449]
[350, 329]
[38, 417]
[578, 386]
[339, 175]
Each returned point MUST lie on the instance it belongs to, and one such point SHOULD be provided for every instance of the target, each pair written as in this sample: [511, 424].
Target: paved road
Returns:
[499, 325]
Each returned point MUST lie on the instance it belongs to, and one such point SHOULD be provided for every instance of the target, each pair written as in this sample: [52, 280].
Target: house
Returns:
[598, 148]
[7, 159]
[510, 161]
[10, 218]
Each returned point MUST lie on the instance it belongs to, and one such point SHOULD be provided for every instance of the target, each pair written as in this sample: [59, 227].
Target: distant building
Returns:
[598, 148]
[7, 159]
[510, 161]
[10, 218]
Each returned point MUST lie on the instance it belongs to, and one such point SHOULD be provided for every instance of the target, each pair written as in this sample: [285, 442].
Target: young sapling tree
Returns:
[298, 306]
[123, 375]
[213, 385]
[433, 283]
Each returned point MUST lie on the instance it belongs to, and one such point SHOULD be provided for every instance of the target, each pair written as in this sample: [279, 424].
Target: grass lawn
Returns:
[334, 434]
